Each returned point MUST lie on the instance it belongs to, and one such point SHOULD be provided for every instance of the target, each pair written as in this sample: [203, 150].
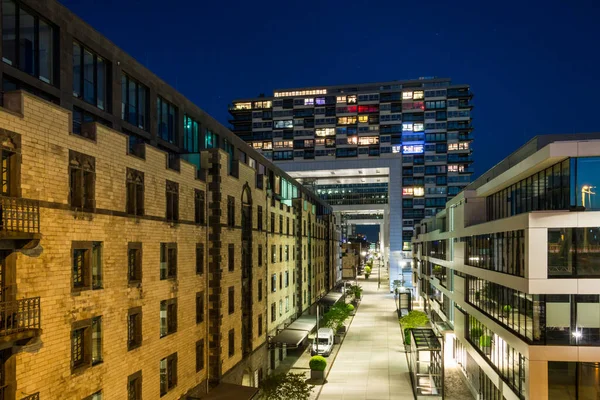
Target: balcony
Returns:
[20, 221]
[20, 320]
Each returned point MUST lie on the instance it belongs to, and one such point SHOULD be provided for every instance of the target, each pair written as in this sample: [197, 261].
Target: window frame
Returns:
[134, 328]
[168, 261]
[170, 326]
[134, 193]
[106, 82]
[92, 260]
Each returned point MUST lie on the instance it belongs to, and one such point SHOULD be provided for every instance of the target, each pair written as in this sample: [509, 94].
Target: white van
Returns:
[325, 343]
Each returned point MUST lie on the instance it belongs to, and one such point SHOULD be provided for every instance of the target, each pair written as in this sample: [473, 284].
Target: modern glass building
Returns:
[509, 271]
[394, 152]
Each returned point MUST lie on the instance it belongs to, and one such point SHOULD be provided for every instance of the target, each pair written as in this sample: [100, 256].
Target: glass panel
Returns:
[96, 340]
[9, 34]
[76, 70]
[558, 319]
[142, 106]
[124, 97]
[562, 380]
[88, 77]
[26, 42]
[132, 103]
[101, 80]
[588, 182]
[46, 52]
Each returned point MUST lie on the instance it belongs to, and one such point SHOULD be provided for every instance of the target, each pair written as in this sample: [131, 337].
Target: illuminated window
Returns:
[309, 143]
[301, 93]
[261, 104]
[257, 145]
[319, 142]
[463, 146]
[452, 168]
[367, 140]
[407, 126]
[417, 95]
[407, 191]
[407, 95]
[267, 145]
[419, 191]
[341, 99]
[346, 120]
[352, 140]
[351, 99]
[320, 101]
[418, 127]
[452, 146]
[363, 118]
[309, 102]
[242, 106]
[396, 149]
[412, 149]
[461, 168]
[325, 131]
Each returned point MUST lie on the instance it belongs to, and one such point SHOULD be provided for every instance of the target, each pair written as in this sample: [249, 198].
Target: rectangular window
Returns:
[172, 192]
[199, 355]
[272, 222]
[168, 317]
[134, 263]
[260, 325]
[273, 253]
[134, 328]
[231, 300]
[199, 258]
[89, 76]
[134, 386]
[134, 102]
[231, 257]
[259, 218]
[273, 312]
[167, 120]
[28, 42]
[82, 181]
[280, 307]
[260, 255]
[199, 206]
[168, 374]
[287, 278]
[260, 289]
[230, 211]
[199, 307]
[191, 134]
[168, 260]
[135, 192]
[87, 265]
[231, 343]
[274, 283]
[86, 343]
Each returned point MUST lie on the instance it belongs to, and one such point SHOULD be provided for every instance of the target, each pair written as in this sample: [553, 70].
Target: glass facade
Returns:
[501, 252]
[573, 380]
[134, 102]
[573, 252]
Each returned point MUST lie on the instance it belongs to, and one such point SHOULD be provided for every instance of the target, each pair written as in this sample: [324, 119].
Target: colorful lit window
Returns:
[452, 168]
[262, 104]
[452, 146]
[309, 102]
[368, 140]
[352, 140]
[396, 149]
[346, 120]
[351, 99]
[407, 127]
[341, 99]
[412, 149]
[325, 132]
[418, 94]
[419, 191]
[320, 101]
[418, 127]
[363, 118]
[407, 95]
[257, 145]
[242, 106]
[407, 191]
[267, 145]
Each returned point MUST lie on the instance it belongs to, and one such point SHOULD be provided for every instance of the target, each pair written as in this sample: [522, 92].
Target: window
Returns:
[134, 328]
[260, 255]
[287, 303]
[259, 219]
[168, 261]
[280, 253]
[287, 278]
[273, 223]
[274, 283]
[199, 307]
[280, 307]
[273, 253]
[260, 289]
[199, 355]
[86, 343]
[231, 257]
[87, 265]
[95, 396]
[231, 300]
[82, 180]
[231, 343]
[172, 191]
[29, 45]
[280, 281]
[168, 373]
[134, 102]
[166, 114]
[191, 134]
[260, 325]
[230, 211]
[287, 252]
[134, 262]
[134, 386]
[273, 312]
[199, 258]
[351, 99]
[199, 206]
[135, 192]
[89, 76]
[211, 140]
[168, 317]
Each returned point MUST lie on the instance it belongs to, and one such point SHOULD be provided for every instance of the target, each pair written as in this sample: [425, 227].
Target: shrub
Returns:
[475, 333]
[335, 317]
[367, 270]
[317, 363]
[414, 319]
[350, 307]
[485, 341]
[285, 386]
[507, 309]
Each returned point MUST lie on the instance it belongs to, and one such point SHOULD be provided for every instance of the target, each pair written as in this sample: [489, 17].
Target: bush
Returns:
[285, 386]
[485, 341]
[335, 317]
[367, 270]
[414, 319]
[507, 309]
[317, 363]
[475, 333]
[407, 336]
[350, 307]
[354, 290]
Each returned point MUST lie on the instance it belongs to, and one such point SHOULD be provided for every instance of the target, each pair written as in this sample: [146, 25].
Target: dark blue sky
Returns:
[533, 66]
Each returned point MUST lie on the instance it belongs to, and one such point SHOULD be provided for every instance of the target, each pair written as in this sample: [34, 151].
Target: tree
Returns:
[335, 317]
[285, 386]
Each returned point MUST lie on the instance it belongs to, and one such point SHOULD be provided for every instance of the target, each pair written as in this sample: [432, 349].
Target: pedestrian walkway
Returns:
[371, 363]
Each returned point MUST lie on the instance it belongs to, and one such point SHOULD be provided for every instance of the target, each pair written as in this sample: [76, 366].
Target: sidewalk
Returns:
[371, 363]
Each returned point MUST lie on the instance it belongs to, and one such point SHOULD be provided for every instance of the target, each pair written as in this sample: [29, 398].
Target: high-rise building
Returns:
[387, 153]
[509, 273]
[142, 244]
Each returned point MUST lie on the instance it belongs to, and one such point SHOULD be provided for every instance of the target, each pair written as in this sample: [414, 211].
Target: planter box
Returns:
[317, 375]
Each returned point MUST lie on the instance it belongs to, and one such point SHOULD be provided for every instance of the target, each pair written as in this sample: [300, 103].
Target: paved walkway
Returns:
[371, 363]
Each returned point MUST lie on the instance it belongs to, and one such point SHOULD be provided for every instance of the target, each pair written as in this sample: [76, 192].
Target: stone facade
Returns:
[49, 153]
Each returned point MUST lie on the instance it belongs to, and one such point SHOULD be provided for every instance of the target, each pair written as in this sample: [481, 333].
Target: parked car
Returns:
[325, 343]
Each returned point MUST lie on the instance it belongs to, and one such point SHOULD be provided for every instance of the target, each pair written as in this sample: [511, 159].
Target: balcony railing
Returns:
[19, 316]
[19, 215]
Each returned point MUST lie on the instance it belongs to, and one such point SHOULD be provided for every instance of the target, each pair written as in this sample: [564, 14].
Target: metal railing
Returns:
[19, 215]
[19, 315]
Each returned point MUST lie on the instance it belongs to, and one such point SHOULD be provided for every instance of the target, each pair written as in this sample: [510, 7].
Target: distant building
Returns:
[509, 272]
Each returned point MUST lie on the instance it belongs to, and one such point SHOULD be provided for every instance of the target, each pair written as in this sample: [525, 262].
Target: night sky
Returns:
[533, 66]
